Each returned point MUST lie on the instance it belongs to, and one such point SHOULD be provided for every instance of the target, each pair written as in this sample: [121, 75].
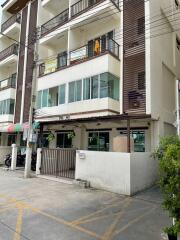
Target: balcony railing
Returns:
[11, 21]
[84, 5]
[79, 55]
[5, 3]
[13, 49]
[55, 22]
[8, 83]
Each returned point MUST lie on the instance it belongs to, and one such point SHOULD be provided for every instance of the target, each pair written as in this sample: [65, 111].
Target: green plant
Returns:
[71, 135]
[168, 154]
[50, 137]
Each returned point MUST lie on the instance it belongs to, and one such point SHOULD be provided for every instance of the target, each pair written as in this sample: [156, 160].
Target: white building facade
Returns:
[101, 69]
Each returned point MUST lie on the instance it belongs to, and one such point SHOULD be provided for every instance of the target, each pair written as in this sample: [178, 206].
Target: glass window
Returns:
[78, 92]
[109, 86]
[45, 98]
[75, 91]
[98, 141]
[86, 89]
[62, 93]
[71, 92]
[63, 140]
[53, 97]
[141, 80]
[7, 106]
[139, 140]
[94, 87]
[11, 108]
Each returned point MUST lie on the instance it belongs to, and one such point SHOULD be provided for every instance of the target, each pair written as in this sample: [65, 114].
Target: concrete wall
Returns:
[121, 173]
[3, 152]
[105, 170]
[144, 171]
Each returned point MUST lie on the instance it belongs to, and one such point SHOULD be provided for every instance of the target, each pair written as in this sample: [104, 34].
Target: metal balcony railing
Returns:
[5, 3]
[13, 49]
[84, 5]
[55, 22]
[8, 82]
[11, 21]
[81, 54]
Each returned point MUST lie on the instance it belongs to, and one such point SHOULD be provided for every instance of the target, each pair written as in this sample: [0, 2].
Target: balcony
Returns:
[9, 55]
[14, 19]
[55, 22]
[80, 55]
[77, 9]
[8, 82]
[84, 5]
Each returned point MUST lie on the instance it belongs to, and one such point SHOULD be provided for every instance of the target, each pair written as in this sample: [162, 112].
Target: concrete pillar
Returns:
[28, 162]
[14, 157]
[38, 163]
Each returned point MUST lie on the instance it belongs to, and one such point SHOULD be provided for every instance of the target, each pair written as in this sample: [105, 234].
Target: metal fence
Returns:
[58, 162]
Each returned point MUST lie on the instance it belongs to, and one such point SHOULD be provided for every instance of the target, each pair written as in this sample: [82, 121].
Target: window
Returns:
[53, 97]
[86, 88]
[75, 91]
[63, 140]
[7, 106]
[98, 141]
[141, 80]
[62, 93]
[109, 86]
[141, 25]
[44, 98]
[139, 140]
[94, 87]
[62, 59]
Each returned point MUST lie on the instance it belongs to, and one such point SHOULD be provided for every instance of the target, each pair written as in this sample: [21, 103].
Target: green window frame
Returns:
[75, 91]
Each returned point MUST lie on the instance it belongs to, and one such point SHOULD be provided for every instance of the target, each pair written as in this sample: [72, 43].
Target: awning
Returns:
[13, 128]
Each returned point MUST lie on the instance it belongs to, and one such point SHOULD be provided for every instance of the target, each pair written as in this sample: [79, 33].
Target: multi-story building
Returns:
[104, 68]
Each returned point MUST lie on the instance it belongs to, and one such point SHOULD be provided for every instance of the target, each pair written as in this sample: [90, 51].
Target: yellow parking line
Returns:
[81, 220]
[133, 221]
[17, 235]
[108, 234]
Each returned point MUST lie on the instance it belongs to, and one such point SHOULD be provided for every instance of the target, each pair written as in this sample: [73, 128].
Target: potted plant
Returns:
[50, 137]
[168, 154]
[171, 232]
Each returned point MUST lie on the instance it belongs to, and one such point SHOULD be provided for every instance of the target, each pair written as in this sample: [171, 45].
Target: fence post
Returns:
[38, 163]
[28, 162]
[14, 157]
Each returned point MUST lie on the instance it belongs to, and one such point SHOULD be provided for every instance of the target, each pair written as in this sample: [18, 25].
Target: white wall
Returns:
[105, 170]
[3, 152]
[144, 171]
[121, 173]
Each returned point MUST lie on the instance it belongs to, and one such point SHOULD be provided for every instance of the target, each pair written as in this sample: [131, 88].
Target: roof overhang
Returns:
[119, 117]
[17, 6]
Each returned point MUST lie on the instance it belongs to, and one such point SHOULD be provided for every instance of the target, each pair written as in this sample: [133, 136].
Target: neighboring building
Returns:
[105, 67]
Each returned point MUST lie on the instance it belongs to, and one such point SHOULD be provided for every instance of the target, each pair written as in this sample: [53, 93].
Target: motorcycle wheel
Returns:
[8, 162]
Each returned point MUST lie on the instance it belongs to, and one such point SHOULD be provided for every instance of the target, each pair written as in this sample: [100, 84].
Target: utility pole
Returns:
[29, 146]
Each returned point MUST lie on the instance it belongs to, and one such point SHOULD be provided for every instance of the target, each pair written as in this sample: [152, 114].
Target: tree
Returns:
[168, 154]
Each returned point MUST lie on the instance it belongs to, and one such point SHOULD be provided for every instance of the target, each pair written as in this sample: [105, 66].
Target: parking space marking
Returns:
[17, 235]
[109, 233]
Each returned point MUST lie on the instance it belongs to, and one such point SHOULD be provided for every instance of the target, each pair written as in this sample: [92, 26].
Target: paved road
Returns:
[38, 209]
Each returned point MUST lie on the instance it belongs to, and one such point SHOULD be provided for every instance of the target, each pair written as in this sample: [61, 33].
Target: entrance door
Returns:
[63, 140]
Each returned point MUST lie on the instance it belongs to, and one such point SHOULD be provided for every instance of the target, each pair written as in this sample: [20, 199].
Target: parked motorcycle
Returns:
[21, 160]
